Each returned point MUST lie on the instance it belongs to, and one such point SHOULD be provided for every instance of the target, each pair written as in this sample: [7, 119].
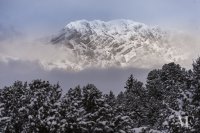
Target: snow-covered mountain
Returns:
[117, 43]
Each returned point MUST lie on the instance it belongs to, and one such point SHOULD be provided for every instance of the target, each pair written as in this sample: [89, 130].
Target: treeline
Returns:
[169, 102]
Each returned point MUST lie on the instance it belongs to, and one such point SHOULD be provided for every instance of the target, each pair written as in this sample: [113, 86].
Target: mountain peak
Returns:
[98, 26]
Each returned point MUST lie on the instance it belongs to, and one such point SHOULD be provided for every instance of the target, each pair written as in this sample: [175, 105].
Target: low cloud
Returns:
[22, 59]
[25, 50]
[105, 80]
[186, 43]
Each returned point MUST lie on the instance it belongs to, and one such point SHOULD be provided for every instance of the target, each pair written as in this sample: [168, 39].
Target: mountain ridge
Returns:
[116, 43]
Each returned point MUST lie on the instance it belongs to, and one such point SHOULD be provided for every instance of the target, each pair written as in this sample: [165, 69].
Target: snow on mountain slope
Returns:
[117, 43]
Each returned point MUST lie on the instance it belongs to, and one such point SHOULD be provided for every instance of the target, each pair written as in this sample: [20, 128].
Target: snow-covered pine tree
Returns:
[154, 84]
[29, 107]
[72, 111]
[135, 102]
[196, 96]
[120, 98]
[174, 90]
[43, 115]
[196, 82]
[13, 112]
[155, 97]
[110, 99]
[99, 113]
[91, 97]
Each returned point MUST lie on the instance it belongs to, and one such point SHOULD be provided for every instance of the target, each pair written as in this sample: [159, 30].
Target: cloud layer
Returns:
[22, 59]
[185, 42]
[105, 80]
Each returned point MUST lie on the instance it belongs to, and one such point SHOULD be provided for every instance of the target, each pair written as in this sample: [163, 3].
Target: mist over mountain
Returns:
[83, 45]
[116, 43]
[76, 60]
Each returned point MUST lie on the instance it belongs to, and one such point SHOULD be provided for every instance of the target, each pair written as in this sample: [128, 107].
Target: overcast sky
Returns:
[39, 18]
[46, 16]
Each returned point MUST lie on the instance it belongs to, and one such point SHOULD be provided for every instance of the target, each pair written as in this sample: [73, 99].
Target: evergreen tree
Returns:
[43, 98]
[175, 95]
[135, 102]
[110, 99]
[154, 85]
[91, 97]
[71, 110]
[120, 98]
[13, 113]
[28, 107]
[196, 82]
[155, 97]
[196, 95]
